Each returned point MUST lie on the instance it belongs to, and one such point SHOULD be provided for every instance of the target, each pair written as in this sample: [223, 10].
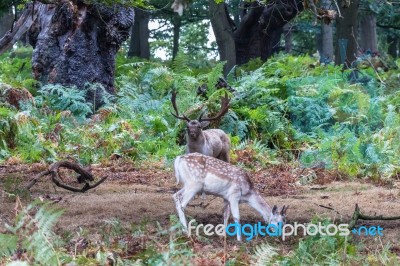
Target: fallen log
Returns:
[84, 177]
[357, 215]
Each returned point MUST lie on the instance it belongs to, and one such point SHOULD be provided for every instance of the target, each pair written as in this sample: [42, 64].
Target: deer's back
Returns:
[218, 140]
[198, 167]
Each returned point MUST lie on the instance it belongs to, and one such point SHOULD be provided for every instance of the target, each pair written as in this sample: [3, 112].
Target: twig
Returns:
[338, 9]
[329, 208]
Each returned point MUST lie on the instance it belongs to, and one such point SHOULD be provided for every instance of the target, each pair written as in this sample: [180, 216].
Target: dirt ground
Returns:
[134, 194]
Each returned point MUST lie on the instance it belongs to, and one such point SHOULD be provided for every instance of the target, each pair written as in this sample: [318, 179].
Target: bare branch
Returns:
[84, 176]
[23, 24]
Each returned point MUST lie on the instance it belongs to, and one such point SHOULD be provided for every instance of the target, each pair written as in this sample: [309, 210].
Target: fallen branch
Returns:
[84, 176]
[357, 215]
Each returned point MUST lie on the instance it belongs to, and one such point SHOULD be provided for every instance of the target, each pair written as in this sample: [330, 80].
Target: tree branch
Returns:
[84, 176]
[357, 215]
[23, 24]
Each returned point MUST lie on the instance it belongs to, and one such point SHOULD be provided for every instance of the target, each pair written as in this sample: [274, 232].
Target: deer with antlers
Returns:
[211, 142]
[201, 173]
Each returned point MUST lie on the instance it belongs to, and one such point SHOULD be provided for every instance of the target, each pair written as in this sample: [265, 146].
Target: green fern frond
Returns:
[62, 98]
[33, 233]
[264, 254]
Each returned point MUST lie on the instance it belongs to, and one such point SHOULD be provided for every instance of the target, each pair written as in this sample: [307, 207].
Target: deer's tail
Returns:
[176, 169]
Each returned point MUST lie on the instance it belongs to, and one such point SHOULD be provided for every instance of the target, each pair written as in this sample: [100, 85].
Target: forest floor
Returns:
[134, 194]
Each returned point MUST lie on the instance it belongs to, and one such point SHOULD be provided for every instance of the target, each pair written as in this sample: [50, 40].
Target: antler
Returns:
[224, 109]
[173, 100]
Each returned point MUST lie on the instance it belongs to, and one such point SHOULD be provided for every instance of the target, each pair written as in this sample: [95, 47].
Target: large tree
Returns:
[258, 32]
[74, 43]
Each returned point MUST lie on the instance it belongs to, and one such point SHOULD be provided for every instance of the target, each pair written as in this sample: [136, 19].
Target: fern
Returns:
[180, 64]
[61, 98]
[32, 233]
[231, 124]
[264, 254]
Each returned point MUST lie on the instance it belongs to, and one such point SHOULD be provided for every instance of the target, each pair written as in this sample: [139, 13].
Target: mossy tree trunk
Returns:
[76, 44]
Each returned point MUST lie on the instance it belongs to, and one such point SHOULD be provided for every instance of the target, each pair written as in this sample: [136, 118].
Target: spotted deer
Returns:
[201, 173]
[211, 142]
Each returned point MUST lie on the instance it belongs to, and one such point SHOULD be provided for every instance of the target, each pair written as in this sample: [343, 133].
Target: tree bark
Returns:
[393, 48]
[326, 37]
[223, 31]
[368, 33]
[346, 33]
[177, 23]
[75, 44]
[139, 44]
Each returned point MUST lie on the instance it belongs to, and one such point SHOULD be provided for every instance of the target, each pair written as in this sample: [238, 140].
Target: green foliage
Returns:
[287, 104]
[32, 233]
[15, 68]
[323, 250]
[60, 98]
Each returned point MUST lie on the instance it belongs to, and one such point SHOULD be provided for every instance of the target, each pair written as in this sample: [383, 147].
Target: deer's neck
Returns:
[260, 205]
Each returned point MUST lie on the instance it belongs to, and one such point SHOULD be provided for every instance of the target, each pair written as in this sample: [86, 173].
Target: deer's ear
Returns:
[283, 211]
[274, 210]
[204, 124]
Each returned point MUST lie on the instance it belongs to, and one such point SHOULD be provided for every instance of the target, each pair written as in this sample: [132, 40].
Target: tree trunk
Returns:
[76, 44]
[393, 41]
[259, 32]
[6, 21]
[318, 42]
[139, 44]
[248, 34]
[346, 33]
[326, 37]
[177, 23]
[368, 33]
[222, 27]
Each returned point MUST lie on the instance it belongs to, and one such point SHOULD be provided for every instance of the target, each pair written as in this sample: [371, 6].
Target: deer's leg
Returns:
[182, 198]
[234, 206]
[178, 203]
[226, 147]
[227, 212]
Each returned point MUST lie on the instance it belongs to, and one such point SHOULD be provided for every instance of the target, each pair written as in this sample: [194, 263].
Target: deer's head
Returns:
[195, 126]
[278, 216]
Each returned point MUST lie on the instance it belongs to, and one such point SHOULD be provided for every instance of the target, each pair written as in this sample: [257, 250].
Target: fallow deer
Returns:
[211, 142]
[201, 173]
